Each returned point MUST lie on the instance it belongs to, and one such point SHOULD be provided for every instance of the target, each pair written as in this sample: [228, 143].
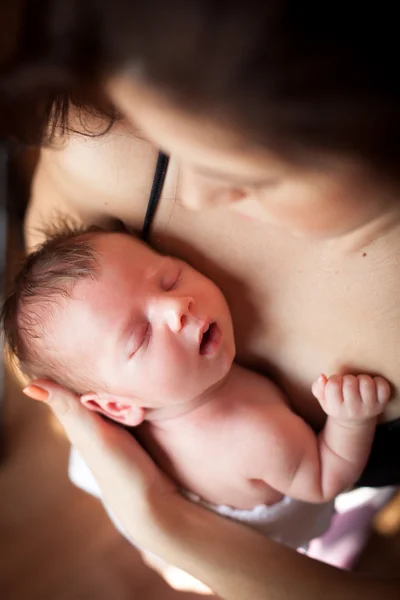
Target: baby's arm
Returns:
[316, 468]
[352, 405]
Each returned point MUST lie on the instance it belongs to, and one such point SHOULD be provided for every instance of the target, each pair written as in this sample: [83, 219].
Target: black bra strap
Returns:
[158, 183]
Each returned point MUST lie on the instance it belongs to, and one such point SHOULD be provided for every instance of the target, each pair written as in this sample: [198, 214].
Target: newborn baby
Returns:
[148, 341]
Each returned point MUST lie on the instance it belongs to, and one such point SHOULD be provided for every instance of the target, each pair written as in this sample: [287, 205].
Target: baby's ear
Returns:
[121, 410]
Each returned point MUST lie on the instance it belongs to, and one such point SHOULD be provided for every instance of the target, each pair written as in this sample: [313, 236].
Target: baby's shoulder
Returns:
[250, 411]
[254, 429]
[251, 389]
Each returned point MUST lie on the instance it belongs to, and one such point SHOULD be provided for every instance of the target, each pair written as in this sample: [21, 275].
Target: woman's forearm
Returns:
[235, 561]
[241, 564]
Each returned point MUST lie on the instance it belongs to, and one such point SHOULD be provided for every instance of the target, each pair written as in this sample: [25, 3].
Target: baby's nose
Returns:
[175, 311]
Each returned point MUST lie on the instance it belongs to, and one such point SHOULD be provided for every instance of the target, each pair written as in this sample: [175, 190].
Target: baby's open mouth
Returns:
[211, 339]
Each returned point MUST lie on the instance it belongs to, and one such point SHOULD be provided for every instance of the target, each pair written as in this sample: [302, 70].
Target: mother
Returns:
[286, 124]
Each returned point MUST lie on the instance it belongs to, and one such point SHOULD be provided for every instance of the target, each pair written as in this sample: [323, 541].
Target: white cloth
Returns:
[290, 522]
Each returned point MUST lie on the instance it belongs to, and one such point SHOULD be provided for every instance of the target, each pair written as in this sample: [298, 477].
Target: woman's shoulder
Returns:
[93, 173]
[99, 158]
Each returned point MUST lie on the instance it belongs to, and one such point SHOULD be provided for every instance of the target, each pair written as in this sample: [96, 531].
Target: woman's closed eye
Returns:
[139, 338]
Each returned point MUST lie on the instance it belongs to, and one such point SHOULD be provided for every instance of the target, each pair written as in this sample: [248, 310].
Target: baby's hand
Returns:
[351, 398]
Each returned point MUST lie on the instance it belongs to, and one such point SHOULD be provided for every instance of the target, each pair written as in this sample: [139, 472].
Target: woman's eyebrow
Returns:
[236, 178]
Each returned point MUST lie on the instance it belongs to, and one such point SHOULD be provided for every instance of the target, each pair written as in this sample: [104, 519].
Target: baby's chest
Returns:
[209, 464]
[199, 445]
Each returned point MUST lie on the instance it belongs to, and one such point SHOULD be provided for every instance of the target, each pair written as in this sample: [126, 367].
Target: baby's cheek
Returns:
[165, 376]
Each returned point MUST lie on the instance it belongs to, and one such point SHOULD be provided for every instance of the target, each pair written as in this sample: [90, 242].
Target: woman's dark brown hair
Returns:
[298, 77]
[48, 63]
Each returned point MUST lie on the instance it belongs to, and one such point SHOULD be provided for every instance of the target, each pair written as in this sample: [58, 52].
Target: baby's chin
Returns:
[207, 386]
[188, 385]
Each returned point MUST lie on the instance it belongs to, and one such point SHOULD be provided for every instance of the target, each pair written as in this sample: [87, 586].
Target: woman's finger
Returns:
[131, 484]
[81, 426]
[109, 451]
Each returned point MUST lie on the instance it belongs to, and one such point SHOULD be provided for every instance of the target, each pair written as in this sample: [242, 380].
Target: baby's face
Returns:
[150, 327]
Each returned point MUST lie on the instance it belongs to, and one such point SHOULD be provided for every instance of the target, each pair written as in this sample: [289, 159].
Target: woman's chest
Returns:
[299, 309]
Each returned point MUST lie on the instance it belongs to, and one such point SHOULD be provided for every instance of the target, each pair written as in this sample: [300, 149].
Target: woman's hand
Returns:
[136, 490]
[233, 560]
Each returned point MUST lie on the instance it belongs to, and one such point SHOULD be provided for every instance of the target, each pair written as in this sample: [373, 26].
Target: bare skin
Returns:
[287, 320]
[158, 338]
[228, 454]
[322, 292]
[234, 561]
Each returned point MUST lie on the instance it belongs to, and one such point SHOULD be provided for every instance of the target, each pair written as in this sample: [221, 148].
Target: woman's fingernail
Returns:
[36, 393]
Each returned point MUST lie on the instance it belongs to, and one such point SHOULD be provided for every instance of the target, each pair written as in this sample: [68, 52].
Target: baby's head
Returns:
[124, 326]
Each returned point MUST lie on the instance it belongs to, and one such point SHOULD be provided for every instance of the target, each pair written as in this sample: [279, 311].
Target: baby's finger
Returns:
[382, 389]
[318, 387]
[367, 390]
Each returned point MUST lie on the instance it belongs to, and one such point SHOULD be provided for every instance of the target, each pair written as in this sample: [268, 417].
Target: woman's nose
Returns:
[198, 193]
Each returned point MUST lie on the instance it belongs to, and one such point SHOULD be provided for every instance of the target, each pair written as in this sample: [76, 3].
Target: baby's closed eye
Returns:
[140, 334]
[170, 277]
